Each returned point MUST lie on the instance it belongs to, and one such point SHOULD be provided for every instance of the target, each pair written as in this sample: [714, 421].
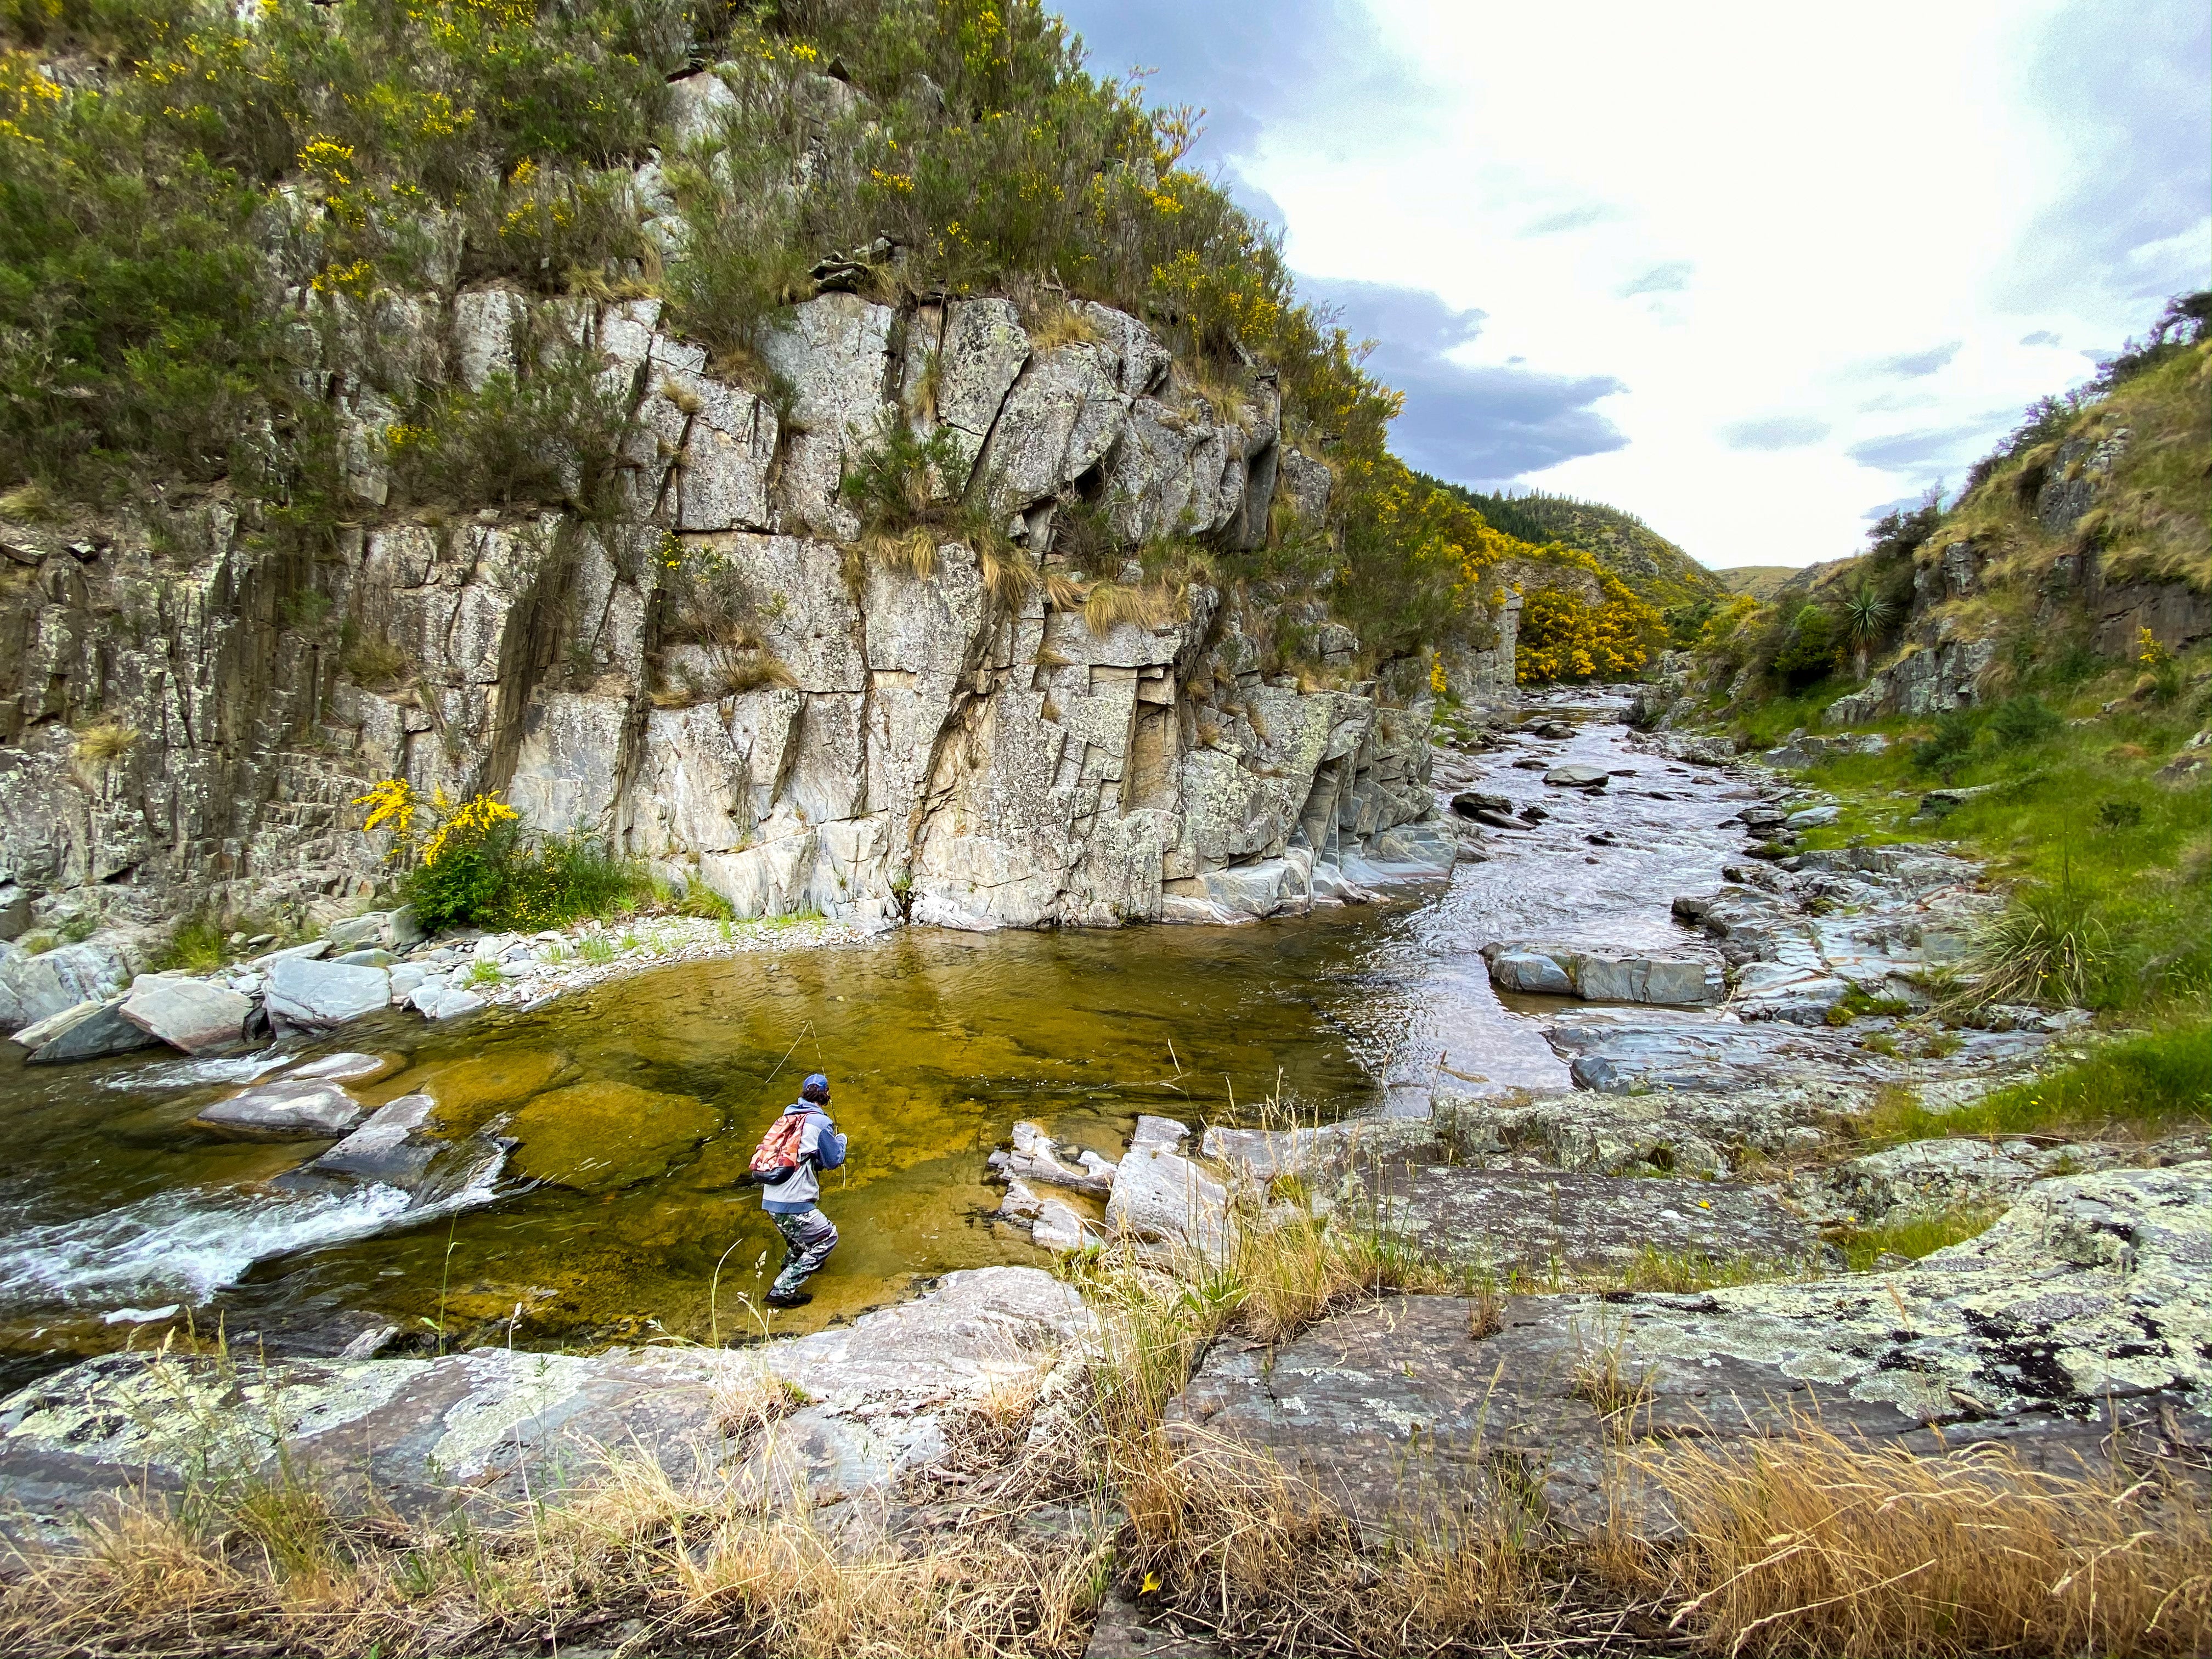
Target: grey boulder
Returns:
[35, 987]
[310, 994]
[87, 1031]
[1530, 970]
[187, 1014]
[1576, 777]
[386, 1148]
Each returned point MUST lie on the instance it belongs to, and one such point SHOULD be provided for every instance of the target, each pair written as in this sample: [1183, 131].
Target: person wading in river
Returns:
[798, 1146]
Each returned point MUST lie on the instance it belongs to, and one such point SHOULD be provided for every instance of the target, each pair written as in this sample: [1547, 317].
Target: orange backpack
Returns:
[777, 1155]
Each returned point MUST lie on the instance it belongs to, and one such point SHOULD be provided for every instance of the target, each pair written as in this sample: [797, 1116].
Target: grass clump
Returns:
[199, 945]
[1808, 1543]
[1913, 1236]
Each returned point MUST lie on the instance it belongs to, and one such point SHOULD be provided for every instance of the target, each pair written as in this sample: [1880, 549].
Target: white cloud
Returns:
[1693, 243]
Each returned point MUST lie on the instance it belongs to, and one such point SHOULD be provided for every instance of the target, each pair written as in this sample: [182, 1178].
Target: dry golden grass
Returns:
[1061, 591]
[912, 552]
[1061, 324]
[1813, 1545]
[1009, 574]
[104, 740]
[1237, 1547]
[1109, 605]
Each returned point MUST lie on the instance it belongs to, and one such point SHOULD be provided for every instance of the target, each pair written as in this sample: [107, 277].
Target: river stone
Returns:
[311, 995]
[1472, 803]
[1162, 1198]
[1060, 1226]
[601, 1137]
[1530, 970]
[391, 930]
[89, 1031]
[36, 988]
[1813, 817]
[438, 1001]
[348, 1067]
[188, 1014]
[387, 1148]
[286, 1110]
[1576, 777]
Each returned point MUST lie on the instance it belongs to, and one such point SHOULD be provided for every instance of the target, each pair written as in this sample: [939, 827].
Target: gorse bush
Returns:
[475, 862]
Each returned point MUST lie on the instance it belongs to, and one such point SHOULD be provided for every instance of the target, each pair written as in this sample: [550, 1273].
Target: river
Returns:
[639, 1099]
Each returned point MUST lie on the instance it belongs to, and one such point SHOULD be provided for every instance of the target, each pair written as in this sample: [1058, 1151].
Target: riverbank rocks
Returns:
[36, 986]
[188, 1014]
[2075, 1326]
[490, 1428]
[1559, 970]
[306, 994]
[289, 1108]
[1034, 1157]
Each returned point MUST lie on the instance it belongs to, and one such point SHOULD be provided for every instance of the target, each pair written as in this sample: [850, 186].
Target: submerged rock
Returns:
[600, 1137]
[286, 1110]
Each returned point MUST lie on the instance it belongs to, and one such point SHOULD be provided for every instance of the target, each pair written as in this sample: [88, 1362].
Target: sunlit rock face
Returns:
[711, 667]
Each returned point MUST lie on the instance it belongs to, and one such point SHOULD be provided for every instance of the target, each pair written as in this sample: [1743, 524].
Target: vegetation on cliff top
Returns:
[189, 193]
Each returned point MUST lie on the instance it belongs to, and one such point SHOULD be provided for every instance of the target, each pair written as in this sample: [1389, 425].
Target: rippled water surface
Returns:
[638, 1103]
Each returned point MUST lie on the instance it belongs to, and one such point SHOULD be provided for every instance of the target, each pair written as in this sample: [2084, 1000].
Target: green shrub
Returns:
[2023, 719]
[1952, 741]
[198, 945]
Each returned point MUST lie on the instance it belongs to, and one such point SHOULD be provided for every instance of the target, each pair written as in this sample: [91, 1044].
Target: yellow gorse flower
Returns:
[472, 820]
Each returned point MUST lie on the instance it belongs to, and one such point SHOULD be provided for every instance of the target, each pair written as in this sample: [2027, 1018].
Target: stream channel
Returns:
[118, 1219]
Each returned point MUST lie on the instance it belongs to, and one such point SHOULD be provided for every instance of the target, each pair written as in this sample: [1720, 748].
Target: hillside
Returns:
[1760, 581]
[1658, 571]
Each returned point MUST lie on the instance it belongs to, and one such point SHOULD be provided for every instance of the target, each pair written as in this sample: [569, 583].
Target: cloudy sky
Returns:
[1751, 271]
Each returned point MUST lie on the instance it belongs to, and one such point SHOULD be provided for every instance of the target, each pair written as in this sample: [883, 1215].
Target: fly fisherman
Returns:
[798, 1146]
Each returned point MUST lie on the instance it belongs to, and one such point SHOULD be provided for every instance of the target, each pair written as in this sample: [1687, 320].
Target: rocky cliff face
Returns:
[1944, 654]
[711, 673]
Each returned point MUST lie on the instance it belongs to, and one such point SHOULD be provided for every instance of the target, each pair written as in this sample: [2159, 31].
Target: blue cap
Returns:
[817, 1087]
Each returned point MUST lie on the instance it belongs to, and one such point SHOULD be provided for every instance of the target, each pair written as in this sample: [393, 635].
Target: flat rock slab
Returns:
[312, 995]
[187, 1014]
[286, 1110]
[2079, 1314]
[1516, 1222]
[431, 1434]
[1621, 1055]
[89, 1031]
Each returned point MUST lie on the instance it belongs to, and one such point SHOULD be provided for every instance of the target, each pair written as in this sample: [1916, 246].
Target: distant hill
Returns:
[1660, 572]
[1762, 581]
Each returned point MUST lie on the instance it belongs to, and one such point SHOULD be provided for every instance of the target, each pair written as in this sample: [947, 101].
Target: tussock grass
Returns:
[106, 740]
[1811, 1544]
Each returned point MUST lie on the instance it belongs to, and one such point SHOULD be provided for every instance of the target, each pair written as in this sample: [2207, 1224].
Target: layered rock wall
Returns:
[711, 673]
